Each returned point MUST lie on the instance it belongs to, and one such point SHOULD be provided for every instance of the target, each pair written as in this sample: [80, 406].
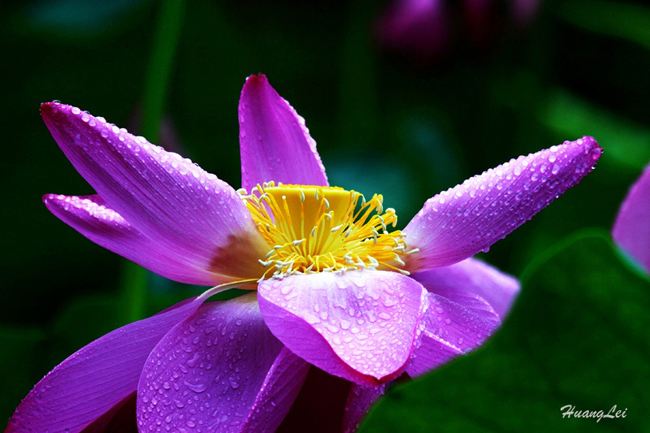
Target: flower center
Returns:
[319, 229]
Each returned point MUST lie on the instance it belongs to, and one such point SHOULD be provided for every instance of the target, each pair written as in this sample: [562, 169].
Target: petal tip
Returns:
[593, 146]
[48, 107]
[55, 202]
[256, 79]
[47, 198]
[55, 109]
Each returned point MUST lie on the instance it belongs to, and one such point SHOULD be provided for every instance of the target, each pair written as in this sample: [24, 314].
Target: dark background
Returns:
[384, 122]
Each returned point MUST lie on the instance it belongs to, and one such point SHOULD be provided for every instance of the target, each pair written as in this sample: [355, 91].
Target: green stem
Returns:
[167, 33]
[168, 30]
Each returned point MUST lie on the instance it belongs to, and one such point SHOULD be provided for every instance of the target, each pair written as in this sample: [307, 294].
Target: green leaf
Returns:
[578, 336]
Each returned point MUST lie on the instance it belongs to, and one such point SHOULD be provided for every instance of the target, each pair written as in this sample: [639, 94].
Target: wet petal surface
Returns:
[90, 216]
[96, 378]
[464, 220]
[359, 325]
[474, 276]
[221, 370]
[165, 197]
[275, 143]
[455, 323]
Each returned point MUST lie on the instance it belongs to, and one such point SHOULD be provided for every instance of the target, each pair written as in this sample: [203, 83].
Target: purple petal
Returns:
[632, 227]
[358, 405]
[96, 378]
[220, 370]
[458, 223]
[432, 353]
[455, 322]
[91, 217]
[275, 143]
[359, 325]
[165, 197]
[280, 389]
[477, 277]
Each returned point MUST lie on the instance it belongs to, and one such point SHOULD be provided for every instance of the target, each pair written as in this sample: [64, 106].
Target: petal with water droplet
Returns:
[165, 197]
[383, 324]
[96, 378]
[90, 216]
[505, 197]
[221, 381]
[474, 276]
[455, 323]
[632, 227]
[275, 143]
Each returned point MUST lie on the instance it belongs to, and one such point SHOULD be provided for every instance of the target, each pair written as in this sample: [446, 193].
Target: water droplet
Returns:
[595, 153]
[192, 361]
[555, 169]
[196, 387]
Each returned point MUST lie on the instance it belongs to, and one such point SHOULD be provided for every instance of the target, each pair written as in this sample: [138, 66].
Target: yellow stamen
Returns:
[318, 229]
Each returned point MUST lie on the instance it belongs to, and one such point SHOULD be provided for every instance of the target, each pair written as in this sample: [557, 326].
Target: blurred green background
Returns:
[383, 123]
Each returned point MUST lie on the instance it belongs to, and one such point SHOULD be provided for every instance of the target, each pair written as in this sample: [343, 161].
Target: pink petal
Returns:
[220, 370]
[96, 378]
[455, 322]
[275, 143]
[458, 223]
[358, 405]
[91, 217]
[477, 277]
[432, 353]
[165, 197]
[359, 325]
[632, 227]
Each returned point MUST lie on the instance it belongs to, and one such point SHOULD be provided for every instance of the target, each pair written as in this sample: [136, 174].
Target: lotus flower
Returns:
[340, 305]
[632, 227]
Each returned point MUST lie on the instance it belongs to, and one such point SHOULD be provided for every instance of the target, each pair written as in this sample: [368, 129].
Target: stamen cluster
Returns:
[324, 229]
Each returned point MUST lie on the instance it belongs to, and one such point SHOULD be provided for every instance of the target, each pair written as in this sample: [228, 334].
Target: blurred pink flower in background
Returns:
[416, 28]
[425, 30]
[631, 229]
